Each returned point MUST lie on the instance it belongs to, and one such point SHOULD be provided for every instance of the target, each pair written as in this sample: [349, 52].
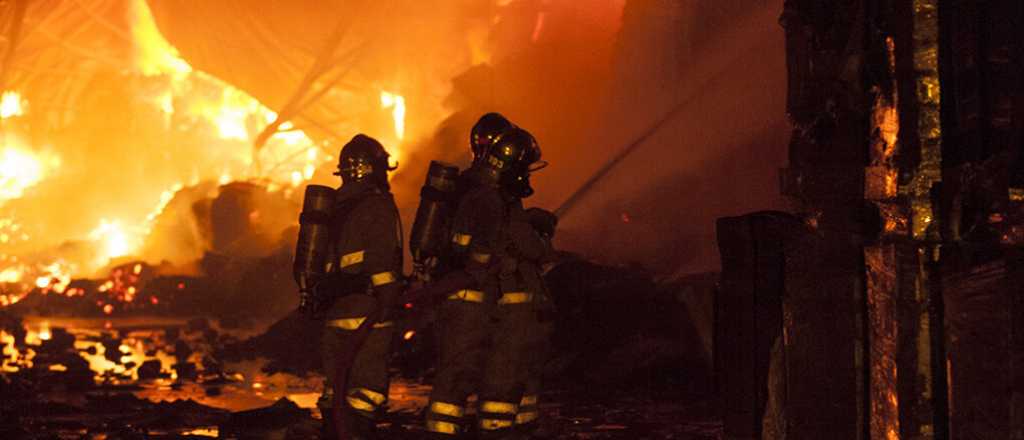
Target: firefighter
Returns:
[531, 231]
[439, 189]
[364, 270]
[487, 327]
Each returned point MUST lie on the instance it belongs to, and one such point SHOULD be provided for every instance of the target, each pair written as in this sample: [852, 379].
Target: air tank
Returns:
[313, 246]
[430, 230]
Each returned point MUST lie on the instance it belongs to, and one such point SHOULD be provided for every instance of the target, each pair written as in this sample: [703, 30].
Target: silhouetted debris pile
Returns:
[614, 325]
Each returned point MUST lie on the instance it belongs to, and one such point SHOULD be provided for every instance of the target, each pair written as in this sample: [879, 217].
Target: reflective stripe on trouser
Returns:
[365, 400]
[508, 298]
[354, 323]
[366, 391]
[483, 350]
[494, 415]
[528, 409]
[444, 417]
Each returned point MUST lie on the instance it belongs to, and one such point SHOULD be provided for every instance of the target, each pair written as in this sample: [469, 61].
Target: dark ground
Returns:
[631, 363]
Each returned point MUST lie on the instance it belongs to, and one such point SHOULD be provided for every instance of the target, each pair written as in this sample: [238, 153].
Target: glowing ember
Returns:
[44, 332]
[11, 105]
[408, 335]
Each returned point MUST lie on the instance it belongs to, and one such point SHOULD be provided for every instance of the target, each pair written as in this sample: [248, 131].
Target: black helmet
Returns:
[517, 182]
[507, 161]
[363, 159]
[486, 131]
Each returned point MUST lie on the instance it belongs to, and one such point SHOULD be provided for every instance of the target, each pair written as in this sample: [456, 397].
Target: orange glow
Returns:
[538, 27]
[408, 335]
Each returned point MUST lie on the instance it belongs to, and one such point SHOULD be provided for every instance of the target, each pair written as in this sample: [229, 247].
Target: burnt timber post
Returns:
[902, 287]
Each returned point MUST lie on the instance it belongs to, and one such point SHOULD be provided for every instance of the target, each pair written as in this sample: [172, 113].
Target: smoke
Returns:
[718, 69]
[596, 78]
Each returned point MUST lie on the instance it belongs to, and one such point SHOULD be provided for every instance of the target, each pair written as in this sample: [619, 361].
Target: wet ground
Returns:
[164, 378]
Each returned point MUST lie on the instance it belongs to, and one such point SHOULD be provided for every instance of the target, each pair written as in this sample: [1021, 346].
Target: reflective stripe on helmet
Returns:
[480, 258]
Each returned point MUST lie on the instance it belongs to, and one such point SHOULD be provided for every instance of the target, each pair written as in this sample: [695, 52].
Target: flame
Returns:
[11, 105]
[397, 105]
[154, 55]
[21, 169]
[234, 114]
[230, 116]
[11, 274]
[114, 238]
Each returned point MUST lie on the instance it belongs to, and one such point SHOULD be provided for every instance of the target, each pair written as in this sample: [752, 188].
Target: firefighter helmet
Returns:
[517, 182]
[507, 161]
[363, 159]
[487, 130]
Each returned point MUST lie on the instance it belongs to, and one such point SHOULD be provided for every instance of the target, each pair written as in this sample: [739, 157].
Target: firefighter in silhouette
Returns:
[530, 233]
[429, 241]
[487, 326]
[363, 270]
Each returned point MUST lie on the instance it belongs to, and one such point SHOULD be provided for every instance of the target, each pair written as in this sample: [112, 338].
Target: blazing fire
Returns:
[113, 238]
[21, 168]
[188, 98]
[11, 105]
[396, 103]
